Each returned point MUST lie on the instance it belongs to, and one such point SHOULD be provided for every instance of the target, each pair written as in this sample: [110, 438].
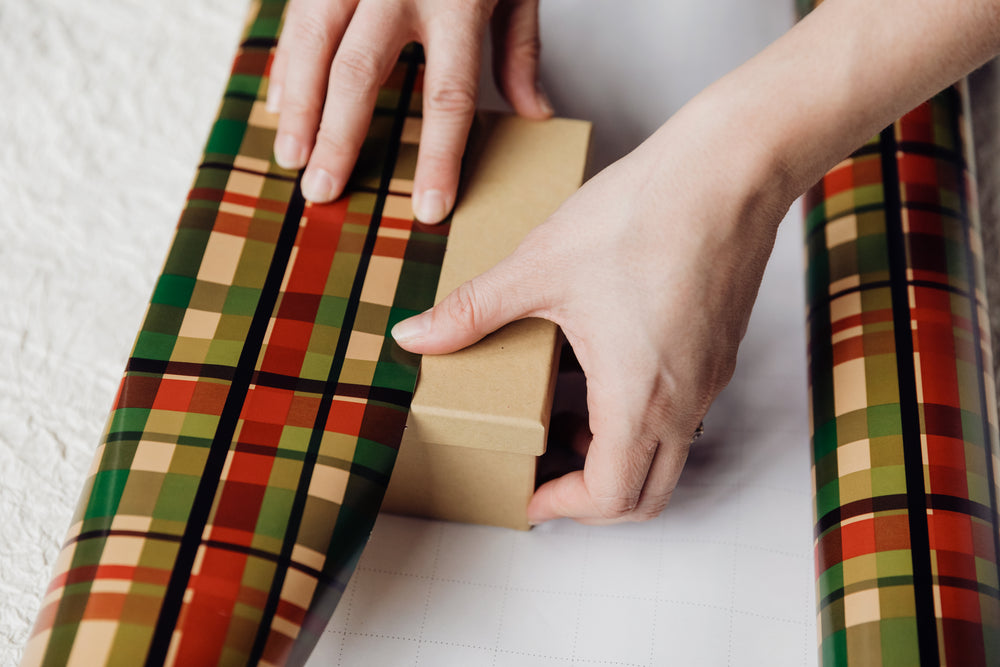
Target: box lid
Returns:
[497, 394]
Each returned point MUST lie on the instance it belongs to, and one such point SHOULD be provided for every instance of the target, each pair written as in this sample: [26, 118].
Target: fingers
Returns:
[299, 73]
[516, 50]
[357, 71]
[629, 474]
[451, 83]
[507, 292]
[579, 494]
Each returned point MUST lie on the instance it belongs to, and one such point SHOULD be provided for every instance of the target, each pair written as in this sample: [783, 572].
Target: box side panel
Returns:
[461, 484]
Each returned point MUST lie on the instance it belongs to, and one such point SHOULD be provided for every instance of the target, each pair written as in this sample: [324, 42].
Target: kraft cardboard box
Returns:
[480, 416]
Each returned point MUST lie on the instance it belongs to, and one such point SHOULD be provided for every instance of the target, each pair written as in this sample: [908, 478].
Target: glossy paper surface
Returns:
[258, 419]
[903, 412]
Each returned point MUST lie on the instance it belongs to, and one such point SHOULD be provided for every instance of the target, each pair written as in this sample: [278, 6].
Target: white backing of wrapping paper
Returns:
[723, 577]
[107, 106]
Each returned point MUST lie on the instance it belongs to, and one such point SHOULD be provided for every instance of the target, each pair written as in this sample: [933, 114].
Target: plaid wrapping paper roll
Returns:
[257, 422]
[903, 414]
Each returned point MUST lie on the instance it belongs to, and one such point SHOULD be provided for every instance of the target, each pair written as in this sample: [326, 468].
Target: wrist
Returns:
[718, 149]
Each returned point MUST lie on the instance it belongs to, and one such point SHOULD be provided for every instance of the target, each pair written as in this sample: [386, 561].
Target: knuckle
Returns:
[300, 110]
[652, 507]
[615, 507]
[467, 307]
[356, 71]
[329, 144]
[310, 33]
[527, 48]
[452, 96]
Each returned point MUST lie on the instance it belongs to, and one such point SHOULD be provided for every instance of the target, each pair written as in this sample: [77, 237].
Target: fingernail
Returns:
[289, 152]
[431, 207]
[318, 186]
[273, 104]
[411, 329]
[543, 102]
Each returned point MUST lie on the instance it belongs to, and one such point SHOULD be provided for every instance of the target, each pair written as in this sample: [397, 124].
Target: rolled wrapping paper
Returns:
[257, 422]
[903, 413]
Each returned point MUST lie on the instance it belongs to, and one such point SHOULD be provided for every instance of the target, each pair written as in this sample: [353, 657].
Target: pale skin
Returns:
[652, 267]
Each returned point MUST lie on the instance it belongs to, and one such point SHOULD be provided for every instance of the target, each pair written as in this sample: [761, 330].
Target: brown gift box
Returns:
[479, 417]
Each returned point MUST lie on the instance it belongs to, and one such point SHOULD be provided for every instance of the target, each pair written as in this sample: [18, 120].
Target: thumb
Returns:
[478, 307]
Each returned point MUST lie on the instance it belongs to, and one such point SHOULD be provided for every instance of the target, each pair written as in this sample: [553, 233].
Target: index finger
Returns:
[363, 60]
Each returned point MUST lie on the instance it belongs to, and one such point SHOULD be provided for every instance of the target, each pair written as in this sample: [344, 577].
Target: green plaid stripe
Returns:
[258, 419]
[904, 429]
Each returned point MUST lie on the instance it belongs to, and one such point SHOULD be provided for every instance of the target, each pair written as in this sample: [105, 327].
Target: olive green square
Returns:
[986, 569]
[209, 296]
[241, 300]
[233, 328]
[855, 486]
[191, 350]
[198, 425]
[188, 460]
[372, 318]
[159, 554]
[886, 451]
[881, 383]
[888, 480]
[895, 563]
[337, 447]
[340, 280]
[224, 352]
[900, 647]
[285, 473]
[977, 485]
[323, 339]
[355, 371]
[360, 202]
[258, 142]
[294, 438]
[277, 189]
[275, 510]
[255, 261]
[316, 366]
[852, 426]
[176, 497]
[877, 298]
[884, 420]
[330, 312]
[141, 493]
[871, 223]
[318, 519]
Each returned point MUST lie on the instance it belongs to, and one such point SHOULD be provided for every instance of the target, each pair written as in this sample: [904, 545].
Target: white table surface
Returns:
[107, 105]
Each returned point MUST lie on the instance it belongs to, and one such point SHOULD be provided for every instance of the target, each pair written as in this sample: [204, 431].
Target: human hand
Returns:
[333, 55]
[650, 270]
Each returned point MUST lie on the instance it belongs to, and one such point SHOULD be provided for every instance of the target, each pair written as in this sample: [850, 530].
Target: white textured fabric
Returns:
[106, 108]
